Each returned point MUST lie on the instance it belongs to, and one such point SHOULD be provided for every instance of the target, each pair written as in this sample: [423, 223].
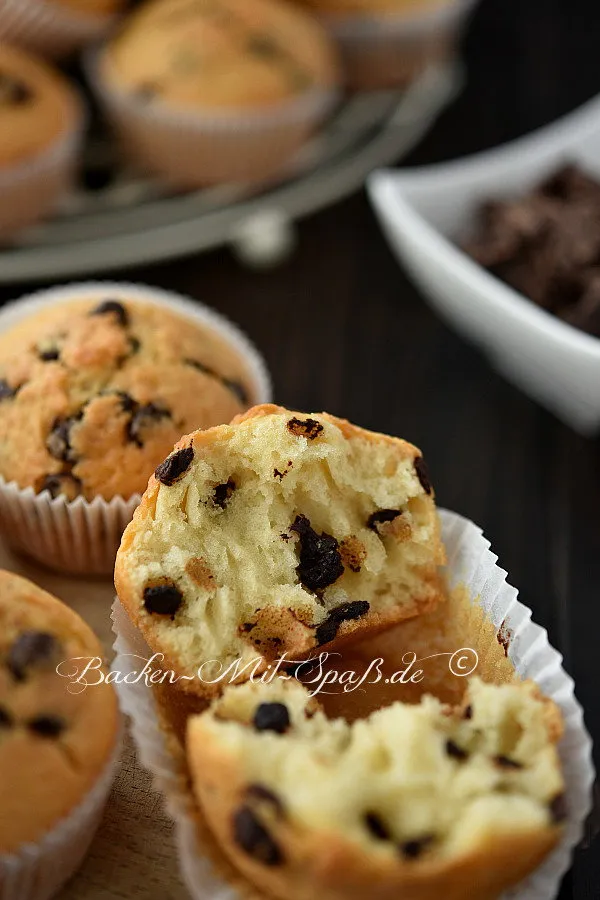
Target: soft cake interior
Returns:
[419, 780]
[274, 526]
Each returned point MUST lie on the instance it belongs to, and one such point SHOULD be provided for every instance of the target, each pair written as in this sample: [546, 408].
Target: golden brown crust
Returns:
[125, 391]
[43, 776]
[37, 107]
[226, 54]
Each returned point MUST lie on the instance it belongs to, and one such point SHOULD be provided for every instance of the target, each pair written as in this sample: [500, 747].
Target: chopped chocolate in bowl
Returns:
[546, 245]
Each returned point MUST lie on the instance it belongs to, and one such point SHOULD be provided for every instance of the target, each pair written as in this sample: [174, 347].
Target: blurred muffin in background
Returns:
[56, 28]
[58, 747]
[40, 128]
[388, 43]
[219, 91]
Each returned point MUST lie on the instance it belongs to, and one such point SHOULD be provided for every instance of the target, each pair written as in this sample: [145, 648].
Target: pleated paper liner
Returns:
[81, 536]
[49, 29]
[391, 50]
[195, 148]
[37, 871]
[483, 623]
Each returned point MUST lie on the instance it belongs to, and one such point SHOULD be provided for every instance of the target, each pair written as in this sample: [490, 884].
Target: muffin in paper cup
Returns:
[41, 128]
[52, 802]
[56, 28]
[483, 616]
[201, 95]
[390, 48]
[136, 406]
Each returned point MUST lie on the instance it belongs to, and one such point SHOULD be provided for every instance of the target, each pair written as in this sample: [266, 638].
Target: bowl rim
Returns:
[398, 214]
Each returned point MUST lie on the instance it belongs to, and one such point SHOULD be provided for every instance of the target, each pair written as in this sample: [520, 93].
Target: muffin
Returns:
[94, 390]
[58, 746]
[40, 125]
[56, 28]
[276, 535]
[416, 801]
[388, 43]
[212, 92]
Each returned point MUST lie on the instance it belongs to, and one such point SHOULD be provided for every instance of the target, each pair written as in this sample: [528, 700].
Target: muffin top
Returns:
[37, 105]
[54, 742]
[365, 7]
[94, 393]
[90, 7]
[219, 54]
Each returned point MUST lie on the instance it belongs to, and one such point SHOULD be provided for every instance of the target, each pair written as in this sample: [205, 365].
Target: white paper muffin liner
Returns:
[390, 50]
[193, 149]
[48, 28]
[30, 191]
[81, 536]
[470, 563]
[37, 871]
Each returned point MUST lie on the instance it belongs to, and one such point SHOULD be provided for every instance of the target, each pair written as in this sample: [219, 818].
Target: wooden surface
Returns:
[343, 329]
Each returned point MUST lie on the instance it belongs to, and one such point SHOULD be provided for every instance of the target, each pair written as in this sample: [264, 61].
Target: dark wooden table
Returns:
[343, 329]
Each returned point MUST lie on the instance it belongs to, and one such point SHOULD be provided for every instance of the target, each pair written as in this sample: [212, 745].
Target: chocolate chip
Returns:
[60, 484]
[262, 794]
[6, 391]
[263, 46]
[252, 836]
[13, 91]
[468, 712]
[196, 364]
[320, 558]
[112, 307]
[223, 492]
[162, 599]
[272, 717]
[414, 849]
[142, 419]
[134, 345]
[423, 474]
[147, 91]
[47, 726]
[238, 389]
[175, 466]
[248, 626]
[49, 353]
[308, 428]
[58, 442]
[6, 720]
[381, 516]
[456, 752]
[30, 649]
[377, 827]
[558, 808]
[128, 404]
[328, 629]
[505, 762]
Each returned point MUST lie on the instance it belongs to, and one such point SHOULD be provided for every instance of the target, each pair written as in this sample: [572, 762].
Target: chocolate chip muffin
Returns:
[389, 43]
[275, 535]
[55, 743]
[39, 122]
[415, 802]
[219, 90]
[94, 392]
[56, 28]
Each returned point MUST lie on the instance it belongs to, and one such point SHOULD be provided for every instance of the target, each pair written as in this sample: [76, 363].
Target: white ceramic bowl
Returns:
[424, 211]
